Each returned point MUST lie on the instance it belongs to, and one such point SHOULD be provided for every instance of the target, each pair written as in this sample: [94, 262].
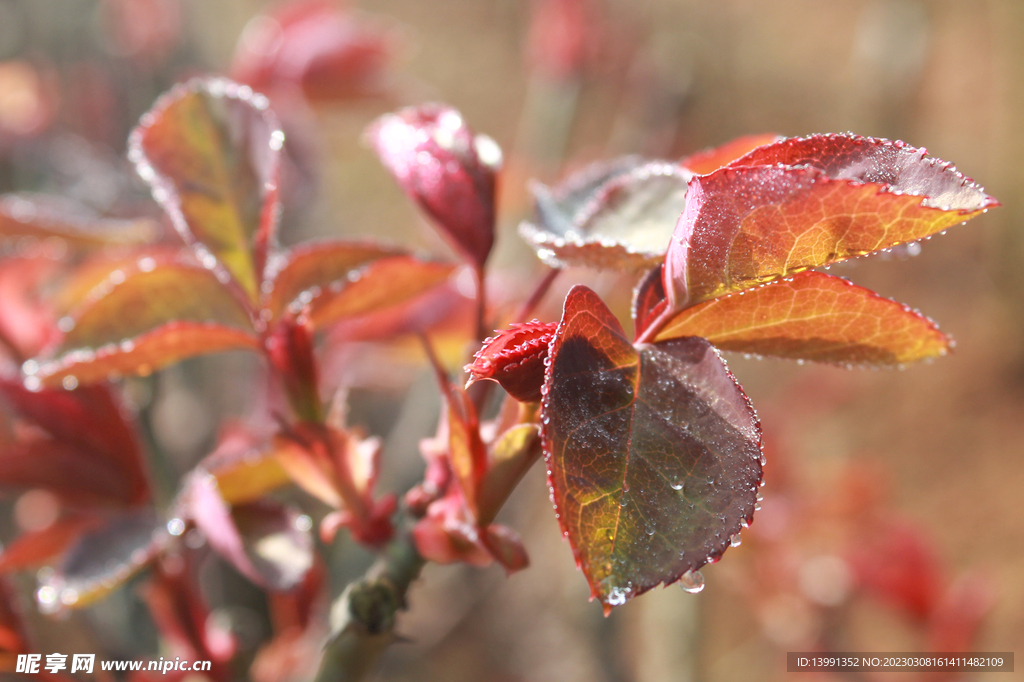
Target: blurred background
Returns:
[893, 518]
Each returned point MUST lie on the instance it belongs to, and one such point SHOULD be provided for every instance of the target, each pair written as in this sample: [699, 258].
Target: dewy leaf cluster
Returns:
[652, 448]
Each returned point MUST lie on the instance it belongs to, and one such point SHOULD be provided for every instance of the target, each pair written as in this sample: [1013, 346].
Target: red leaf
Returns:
[447, 169]
[622, 219]
[211, 152]
[382, 283]
[88, 424]
[328, 52]
[75, 476]
[37, 547]
[713, 158]
[289, 348]
[515, 359]
[264, 541]
[27, 321]
[505, 546]
[849, 196]
[812, 316]
[315, 265]
[648, 300]
[653, 452]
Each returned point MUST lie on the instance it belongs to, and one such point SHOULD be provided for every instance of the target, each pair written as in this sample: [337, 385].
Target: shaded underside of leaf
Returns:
[316, 265]
[746, 225]
[77, 477]
[211, 152]
[653, 453]
[380, 284]
[813, 316]
[165, 345]
[709, 160]
[42, 216]
[102, 559]
[625, 222]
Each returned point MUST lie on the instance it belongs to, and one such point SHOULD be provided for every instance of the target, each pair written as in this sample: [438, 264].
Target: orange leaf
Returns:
[316, 265]
[813, 316]
[42, 216]
[839, 197]
[713, 158]
[211, 152]
[382, 283]
[166, 345]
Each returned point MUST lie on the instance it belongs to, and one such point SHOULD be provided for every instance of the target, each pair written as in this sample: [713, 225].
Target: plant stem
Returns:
[363, 617]
[481, 304]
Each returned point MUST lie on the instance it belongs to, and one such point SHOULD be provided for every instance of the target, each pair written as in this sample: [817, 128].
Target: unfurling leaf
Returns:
[812, 316]
[145, 316]
[515, 359]
[710, 160]
[653, 451]
[835, 197]
[466, 450]
[211, 150]
[614, 216]
[512, 455]
[102, 559]
[447, 169]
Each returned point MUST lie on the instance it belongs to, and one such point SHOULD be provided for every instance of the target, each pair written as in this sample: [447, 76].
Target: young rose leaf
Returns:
[75, 476]
[515, 359]
[31, 549]
[712, 159]
[653, 451]
[88, 425]
[211, 151]
[315, 265]
[328, 52]
[264, 542]
[511, 457]
[102, 559]
[625, 222]
[813, 316]
[27, 319]
[64, 222]
[848, 196]
[382, 283]
[447, 169]
[466, 450]
[648, 300]
[246, 468]
[148, 316]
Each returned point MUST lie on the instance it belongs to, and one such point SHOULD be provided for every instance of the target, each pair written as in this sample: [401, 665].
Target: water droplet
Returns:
[735, 540]
[175, 527]
[30, 367]
[617, 596]
[303, 523]
[70, 383]
[677, 485]
[692, 582]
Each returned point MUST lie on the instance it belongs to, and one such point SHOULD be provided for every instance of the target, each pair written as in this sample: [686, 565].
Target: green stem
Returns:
[363, 618]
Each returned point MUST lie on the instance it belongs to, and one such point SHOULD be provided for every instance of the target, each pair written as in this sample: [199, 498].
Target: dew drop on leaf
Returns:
[692, 582]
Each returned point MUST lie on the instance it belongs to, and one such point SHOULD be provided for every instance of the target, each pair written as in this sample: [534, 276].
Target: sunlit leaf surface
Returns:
[316, 265]
[210, 150]
[625, 221]
[653, 452]
[712, 159]
[844, 196]
[813, 316]
[381, 283]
